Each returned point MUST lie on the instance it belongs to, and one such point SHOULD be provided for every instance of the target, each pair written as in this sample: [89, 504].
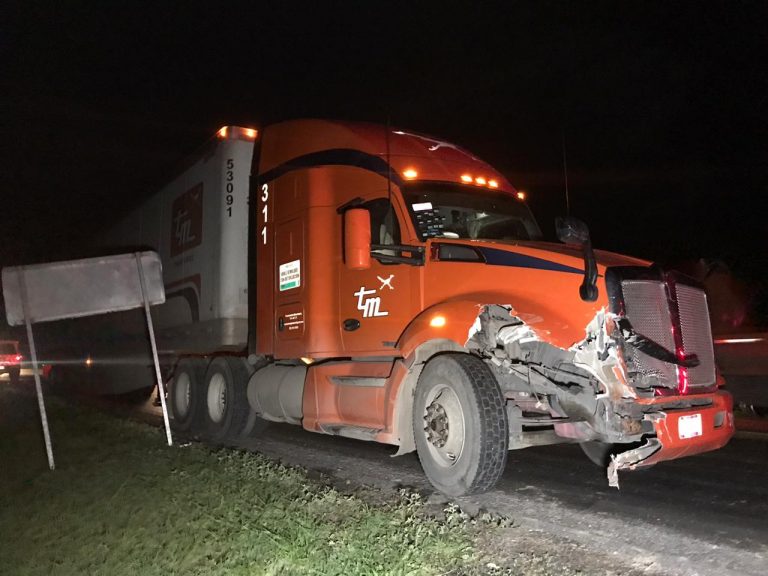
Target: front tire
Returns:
[460, 425]
[225, 401]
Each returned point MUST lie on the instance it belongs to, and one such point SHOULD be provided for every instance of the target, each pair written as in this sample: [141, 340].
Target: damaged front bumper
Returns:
[679, 433]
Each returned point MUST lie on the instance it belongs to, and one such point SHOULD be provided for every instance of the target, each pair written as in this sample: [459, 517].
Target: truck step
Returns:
[356, 432]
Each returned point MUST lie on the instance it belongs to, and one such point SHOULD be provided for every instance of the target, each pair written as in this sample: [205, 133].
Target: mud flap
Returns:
[630, 459]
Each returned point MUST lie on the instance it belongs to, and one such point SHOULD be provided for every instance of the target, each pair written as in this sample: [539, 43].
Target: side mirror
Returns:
[357, 239]
[572, 231]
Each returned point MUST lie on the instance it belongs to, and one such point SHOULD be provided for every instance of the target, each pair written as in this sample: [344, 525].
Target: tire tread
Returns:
[493, 423]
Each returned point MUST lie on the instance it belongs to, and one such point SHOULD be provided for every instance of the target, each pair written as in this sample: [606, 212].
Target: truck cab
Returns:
[390, 286]
[408, 281]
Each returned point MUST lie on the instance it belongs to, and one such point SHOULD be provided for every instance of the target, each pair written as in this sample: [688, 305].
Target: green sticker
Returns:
[290, 275]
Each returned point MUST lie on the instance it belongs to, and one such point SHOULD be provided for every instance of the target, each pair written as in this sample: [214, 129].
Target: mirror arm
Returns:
[588, 289]
[417, 260]
[398, 247]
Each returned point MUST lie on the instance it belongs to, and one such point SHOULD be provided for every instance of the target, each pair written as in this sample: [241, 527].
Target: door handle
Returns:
[351, 324]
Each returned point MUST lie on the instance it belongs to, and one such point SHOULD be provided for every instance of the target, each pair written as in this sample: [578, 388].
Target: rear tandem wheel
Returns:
[184, 393]
[225, 403]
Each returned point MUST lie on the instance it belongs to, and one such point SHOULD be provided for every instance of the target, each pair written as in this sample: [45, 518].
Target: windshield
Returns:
[452, 211]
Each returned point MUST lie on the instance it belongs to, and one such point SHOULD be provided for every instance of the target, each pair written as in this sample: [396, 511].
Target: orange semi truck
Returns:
[385, 285]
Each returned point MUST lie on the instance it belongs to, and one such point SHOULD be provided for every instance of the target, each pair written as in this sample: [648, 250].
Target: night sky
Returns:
[662, 106]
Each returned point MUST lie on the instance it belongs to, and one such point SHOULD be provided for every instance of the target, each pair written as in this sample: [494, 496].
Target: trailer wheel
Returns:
[225, 401]
[184, 394]
[460, 425]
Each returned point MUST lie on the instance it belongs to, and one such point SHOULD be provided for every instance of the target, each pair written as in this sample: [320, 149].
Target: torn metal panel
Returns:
[515, 348]
[631, 459]
[599, 354]
[580, 393]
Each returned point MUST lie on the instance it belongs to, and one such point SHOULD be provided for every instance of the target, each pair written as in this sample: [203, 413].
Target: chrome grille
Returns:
[646, 307]
[697, 334]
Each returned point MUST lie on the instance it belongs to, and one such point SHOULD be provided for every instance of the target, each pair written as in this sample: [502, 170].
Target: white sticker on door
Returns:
[290, 275]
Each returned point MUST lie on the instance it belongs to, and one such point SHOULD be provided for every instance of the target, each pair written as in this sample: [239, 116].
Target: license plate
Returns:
[689, 426]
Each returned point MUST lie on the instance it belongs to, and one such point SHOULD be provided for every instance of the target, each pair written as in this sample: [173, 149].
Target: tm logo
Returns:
[187, 220]
[183, 228]
[369, 304]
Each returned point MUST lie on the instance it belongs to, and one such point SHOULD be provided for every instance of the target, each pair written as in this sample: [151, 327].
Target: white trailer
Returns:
[198, 223]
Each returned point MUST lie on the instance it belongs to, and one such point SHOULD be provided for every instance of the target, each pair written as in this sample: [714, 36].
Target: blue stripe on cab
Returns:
[505, 258]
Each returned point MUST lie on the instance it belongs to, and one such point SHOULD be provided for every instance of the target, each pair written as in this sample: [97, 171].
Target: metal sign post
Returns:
[79, 288]
[38, 385]
[150, 328]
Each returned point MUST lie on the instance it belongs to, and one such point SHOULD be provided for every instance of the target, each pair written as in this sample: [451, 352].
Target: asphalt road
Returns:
[706, 514]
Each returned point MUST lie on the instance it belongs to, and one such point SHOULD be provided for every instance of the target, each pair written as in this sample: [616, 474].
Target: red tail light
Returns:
[18, 358]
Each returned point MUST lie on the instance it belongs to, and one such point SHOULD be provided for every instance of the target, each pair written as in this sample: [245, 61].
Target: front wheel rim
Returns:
[444, 427]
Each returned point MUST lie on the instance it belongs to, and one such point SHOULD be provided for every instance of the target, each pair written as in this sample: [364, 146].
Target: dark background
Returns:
[662, 107]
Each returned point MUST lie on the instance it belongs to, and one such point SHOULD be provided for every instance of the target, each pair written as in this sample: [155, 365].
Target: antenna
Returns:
[391, 217]
[565, 173]
[389, 165]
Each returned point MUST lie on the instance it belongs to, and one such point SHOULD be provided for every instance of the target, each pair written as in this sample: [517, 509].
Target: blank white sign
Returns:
[76, 288]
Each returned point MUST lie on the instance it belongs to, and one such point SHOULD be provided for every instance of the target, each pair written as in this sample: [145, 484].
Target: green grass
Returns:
[122, 502]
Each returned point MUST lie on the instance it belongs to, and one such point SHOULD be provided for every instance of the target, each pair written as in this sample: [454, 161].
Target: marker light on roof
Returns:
[479, 180]
[410, 173]
[520, 195]
[250, 133]
[222, 133]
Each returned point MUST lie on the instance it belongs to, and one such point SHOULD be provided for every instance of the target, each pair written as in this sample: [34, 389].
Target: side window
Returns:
[385, 229]
[384, 226]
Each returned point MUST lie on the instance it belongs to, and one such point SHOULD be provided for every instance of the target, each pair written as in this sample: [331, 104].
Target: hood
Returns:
[558, 254]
